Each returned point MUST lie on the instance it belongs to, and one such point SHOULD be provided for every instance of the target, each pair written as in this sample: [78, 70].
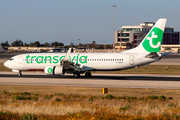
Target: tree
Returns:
[100, 46]
[72, 44]
[5, 44]
[17, 43]
[46, 44]
[55, 44]
[37, 44]
[94, 45]
[60, 44]
[25, 44]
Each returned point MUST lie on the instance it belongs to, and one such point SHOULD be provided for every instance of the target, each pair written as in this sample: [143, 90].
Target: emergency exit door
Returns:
[131, 60]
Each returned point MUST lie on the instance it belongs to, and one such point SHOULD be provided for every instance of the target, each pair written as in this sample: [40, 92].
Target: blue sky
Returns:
[89, 20]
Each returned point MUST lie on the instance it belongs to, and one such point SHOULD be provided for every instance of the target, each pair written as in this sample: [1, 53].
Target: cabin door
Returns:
[20, 59]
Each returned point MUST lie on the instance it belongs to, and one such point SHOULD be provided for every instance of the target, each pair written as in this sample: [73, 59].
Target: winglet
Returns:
[67, 54]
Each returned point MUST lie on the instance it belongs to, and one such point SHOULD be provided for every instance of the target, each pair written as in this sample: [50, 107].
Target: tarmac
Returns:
[97, 80]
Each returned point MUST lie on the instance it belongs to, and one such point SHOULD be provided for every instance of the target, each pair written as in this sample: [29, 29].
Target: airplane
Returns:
[79, 63]
[2, 49]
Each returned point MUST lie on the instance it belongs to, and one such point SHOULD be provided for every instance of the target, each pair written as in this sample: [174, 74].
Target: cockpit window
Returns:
[11, 59]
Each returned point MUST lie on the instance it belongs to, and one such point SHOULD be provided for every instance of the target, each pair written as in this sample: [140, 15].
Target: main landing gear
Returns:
[19, 74]
[88, 74]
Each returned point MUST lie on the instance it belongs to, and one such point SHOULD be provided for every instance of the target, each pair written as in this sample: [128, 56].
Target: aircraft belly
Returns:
[33, 66]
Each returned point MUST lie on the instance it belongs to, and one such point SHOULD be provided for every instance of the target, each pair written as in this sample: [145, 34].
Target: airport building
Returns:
[130, 36]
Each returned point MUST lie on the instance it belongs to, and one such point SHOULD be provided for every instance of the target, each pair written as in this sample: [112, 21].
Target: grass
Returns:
[150, 69]
[74, 92]
[3, 68]
[46, 102]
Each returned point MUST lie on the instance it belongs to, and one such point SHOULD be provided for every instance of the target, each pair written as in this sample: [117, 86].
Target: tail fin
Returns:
[2, 49]
[152, 41]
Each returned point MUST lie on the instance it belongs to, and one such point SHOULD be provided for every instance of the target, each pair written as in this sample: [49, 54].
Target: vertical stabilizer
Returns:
[152, 41]
[2, 49]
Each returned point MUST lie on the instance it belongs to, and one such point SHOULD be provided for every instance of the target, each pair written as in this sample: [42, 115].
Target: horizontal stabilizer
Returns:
[152, 55]
[167, 53]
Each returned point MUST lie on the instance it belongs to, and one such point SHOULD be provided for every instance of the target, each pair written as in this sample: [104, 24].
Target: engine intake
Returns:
[54, 70]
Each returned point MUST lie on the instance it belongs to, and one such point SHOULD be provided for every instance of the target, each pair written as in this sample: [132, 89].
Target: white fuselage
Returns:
[59, 63]
[87, 61]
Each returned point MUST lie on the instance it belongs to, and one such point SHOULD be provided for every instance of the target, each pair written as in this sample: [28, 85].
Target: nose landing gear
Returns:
[19, 74]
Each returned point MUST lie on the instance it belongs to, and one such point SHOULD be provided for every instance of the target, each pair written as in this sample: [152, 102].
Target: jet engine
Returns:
[54, 70]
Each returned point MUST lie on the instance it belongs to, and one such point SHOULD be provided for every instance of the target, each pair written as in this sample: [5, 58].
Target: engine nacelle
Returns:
[54, 70]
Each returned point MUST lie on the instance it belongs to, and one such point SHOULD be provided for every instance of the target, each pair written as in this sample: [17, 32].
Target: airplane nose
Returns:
[6, 64]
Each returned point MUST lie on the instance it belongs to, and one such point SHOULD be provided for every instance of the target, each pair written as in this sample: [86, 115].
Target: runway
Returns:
[97, 80]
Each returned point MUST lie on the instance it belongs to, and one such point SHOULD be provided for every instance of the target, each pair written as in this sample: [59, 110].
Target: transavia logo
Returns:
[55, 59]
[49, 70]
[152, 42]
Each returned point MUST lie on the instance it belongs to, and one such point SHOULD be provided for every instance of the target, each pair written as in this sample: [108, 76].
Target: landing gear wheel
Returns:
[19, 74]
[88, 74]
[76, 75]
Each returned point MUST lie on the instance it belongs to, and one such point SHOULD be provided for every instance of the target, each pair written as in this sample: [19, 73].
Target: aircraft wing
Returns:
[65, 63]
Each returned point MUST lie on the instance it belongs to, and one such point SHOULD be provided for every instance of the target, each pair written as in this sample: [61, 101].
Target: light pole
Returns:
[78, 42]
[104, 45]
[87, 45]
[114, 23]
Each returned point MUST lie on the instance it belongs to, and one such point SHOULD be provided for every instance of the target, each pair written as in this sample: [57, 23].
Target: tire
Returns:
[19, 74]
[88, 74]
[76, 75]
